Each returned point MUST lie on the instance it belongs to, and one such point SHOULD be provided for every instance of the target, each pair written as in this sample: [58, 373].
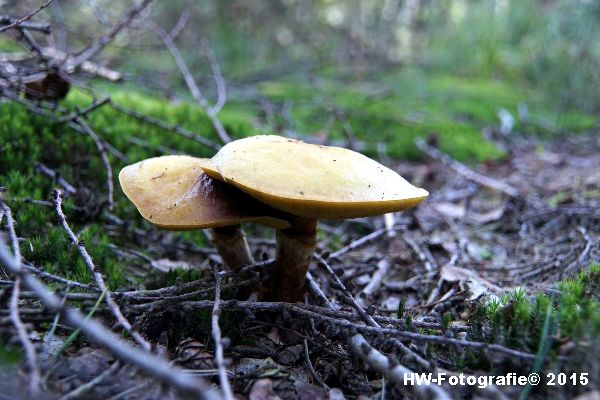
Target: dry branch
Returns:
[19, 22]
[211, 112]
[80, 391]
[98, 278]
[218, 339]
[467, 172]
[92, 49]
[34, 372]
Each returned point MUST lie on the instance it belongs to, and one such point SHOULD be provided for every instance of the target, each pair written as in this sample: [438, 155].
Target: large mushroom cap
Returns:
[173, 192]
[311, 180]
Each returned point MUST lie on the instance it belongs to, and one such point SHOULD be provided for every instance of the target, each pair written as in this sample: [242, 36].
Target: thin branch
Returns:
[34, 378]
[191, 83]
[151, 364]
[44, 170]
[395, 373]
[217, 76]
[216, 334]
[92, 49]
[377, 360]
[30, 26]
[52, 277]
[98, 278]
[100, 146]
[80, 391]
[321, 314]
[163, 125]
[19, 21]
[383, 267]
[82, 113]
[358, 242]
[311, 368]
[465, 171]
[34, 372]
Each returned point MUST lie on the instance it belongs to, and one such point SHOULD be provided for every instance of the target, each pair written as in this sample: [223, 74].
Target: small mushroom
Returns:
[174, 193]
[310, 182]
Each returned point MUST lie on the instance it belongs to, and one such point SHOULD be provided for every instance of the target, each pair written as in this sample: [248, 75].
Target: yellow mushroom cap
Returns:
[310, 180]
[173, 192]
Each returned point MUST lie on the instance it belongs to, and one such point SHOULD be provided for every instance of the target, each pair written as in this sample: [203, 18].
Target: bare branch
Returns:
[100, 146]
[98, 278]
[395, 373]
[92, 49]
[34, 378]
[19, 21]
[191, 83]
[217, 76]
[465, 171]
[80, 391]
[163, 125]
[216, 334]
[31, 26]
[359, 242]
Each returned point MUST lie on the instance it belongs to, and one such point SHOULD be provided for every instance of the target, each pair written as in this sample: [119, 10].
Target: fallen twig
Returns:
[358, 242]
[80, 391]
[467, 172]
[216, 334]
[377, 360]
[34, 372]
[98, 278]
[383, 267]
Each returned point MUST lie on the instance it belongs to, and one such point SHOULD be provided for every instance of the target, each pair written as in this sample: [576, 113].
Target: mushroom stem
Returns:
[232, 246]
[295, 248]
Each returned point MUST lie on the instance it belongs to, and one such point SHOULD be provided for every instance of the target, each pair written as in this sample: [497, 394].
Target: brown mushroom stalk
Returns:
[295, 248]
[173, 192]
[231, 244]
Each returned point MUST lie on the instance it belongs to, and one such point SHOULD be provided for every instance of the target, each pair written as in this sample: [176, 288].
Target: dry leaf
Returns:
[263, 390]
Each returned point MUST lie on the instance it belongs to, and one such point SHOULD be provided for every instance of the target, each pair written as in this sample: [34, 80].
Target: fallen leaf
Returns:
[263, 390]
[468, 280]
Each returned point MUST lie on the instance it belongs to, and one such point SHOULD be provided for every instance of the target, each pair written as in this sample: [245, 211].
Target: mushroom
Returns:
[173, 192]
[310, 182]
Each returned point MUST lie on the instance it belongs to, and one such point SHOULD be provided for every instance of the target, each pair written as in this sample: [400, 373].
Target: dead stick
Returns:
[100, 146]
[191, 83]
[98, 278]
[34, 378]
[465, 171]
[19, 21]
[216, 334]
[93, 48]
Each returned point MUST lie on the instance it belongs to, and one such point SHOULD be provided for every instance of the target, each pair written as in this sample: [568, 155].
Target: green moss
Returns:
[517, 319]
[29, 139]
[10, 355]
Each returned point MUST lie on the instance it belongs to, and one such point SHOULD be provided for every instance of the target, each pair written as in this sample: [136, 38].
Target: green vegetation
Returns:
[568, 312]
[29, 139]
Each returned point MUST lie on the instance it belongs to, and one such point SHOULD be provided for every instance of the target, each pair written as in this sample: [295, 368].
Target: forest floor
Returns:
[491, 275]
